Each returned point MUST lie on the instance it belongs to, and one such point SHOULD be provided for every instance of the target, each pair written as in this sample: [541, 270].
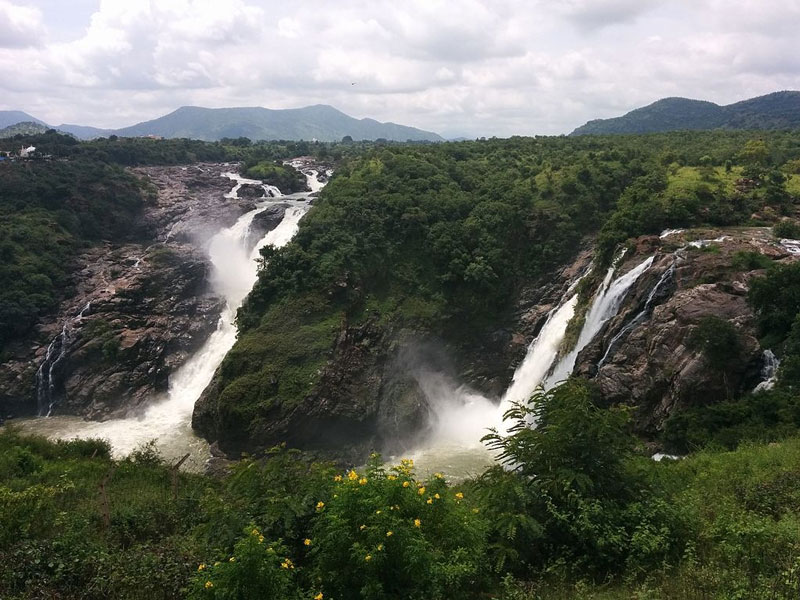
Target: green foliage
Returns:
[719, 342]
[786, 229]
[284, 177]
[386, 535]
[256, 570]
[747, 260]
[576, 496]
[776, 300]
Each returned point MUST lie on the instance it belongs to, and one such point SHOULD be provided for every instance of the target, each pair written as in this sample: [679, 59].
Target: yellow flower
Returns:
[352, 475]
[254, 532]
[380, 547]
[406, 484]
[307, 542]
[438, 476]
[209, 585]
[318, 596]
[232, 559]
[421, 490]
[391, 477]
[475, 511]
[437, 496]
[417, 523]
[201, 567]
[459, 495]
[362, 481]
[336, 495]
[261, 539]
[362, 528]
[337, 478]
[216, 564]
[368, 557]
[430, 501]
[320, 505]
[389, 533]
[287, 564]
[377, 512]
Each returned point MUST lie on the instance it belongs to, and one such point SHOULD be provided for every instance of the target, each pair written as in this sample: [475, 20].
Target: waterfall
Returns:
[666, 276]
[541, 353]
[234, 272]
[605, 305]
[47, 373]
[769, 372]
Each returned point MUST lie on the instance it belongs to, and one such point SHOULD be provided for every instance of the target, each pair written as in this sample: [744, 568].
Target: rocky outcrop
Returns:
[644, 357]
[139, 307]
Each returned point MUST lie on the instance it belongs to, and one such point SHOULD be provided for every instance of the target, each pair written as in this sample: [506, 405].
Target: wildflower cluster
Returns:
[382, 524]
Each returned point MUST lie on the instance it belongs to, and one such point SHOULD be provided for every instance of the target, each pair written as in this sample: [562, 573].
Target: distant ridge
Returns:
[779, 110]
[318, 122]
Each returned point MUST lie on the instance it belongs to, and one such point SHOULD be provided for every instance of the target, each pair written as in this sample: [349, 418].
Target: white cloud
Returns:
[20, 26]
[474, 67]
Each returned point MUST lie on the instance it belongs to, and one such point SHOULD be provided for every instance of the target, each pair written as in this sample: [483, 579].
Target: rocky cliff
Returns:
[139, 308]
[648, 357]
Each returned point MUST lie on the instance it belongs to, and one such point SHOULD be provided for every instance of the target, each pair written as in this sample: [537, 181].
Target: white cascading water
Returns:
[234, 272]
[605, 305]
[462, 416]
[769, 372]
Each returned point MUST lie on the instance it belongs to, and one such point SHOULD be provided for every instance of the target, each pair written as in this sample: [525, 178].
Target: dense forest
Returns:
[438, 239]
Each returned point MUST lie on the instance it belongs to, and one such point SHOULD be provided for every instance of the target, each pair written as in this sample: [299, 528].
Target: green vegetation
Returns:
[578, 514]
[285, 178]
[48, 211]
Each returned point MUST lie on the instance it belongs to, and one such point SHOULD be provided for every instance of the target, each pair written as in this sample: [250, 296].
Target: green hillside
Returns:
[780, 110]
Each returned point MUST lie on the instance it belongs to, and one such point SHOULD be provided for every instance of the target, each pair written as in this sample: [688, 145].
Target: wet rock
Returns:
[250, 190]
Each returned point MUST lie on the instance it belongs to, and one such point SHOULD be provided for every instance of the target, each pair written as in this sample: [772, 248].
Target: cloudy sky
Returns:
[466, 67]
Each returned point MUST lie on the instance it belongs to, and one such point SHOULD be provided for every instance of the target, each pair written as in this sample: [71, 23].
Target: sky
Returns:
[460, 68]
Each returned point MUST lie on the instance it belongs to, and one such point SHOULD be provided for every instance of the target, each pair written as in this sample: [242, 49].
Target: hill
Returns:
[12, 117]
[780, 110]
[23, 128]
[319, 122]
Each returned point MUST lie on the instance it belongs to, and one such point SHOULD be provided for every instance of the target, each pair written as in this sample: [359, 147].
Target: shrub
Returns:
[388, 535]
[786, 229]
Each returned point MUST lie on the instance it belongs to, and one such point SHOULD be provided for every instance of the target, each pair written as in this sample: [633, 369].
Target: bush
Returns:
[387, 535]
[786, 230]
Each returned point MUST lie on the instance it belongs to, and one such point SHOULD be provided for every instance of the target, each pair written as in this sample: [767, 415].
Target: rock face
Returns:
[140, 307]
[644, 357]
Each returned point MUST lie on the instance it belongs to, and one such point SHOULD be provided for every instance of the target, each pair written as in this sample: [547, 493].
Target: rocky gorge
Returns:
[139, 307]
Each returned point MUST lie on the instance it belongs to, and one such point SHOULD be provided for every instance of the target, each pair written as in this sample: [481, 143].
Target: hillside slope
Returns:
[780, 110]
[319, 122]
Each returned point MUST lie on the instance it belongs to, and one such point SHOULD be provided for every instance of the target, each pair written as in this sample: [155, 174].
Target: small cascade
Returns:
[791, 246]
[47, 376]
[605, 305]
[669, 232]
[649, 304]
[769, 372]
[704, 243]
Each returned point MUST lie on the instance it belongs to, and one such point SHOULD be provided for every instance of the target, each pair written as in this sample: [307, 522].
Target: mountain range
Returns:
[318, 122]
[779, 110]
